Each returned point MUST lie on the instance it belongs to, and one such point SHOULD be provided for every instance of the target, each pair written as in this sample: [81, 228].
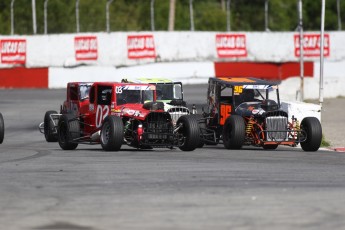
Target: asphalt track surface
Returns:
[43, 187]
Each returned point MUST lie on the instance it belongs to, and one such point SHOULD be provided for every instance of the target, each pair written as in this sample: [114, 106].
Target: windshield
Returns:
[253, 93]
[133, 96]
[169, 92]
[84, 90]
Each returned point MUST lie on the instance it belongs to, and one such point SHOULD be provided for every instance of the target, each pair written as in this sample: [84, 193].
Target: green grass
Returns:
[324, 142]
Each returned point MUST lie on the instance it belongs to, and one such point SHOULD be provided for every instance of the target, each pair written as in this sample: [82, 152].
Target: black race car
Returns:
[246, 111]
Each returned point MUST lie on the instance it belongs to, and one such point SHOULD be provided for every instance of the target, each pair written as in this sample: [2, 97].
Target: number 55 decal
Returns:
[101, 113]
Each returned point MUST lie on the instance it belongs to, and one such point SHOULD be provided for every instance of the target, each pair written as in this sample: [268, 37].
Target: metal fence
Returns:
[170, 18]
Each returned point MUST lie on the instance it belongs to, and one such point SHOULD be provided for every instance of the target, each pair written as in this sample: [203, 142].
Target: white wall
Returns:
[199, 72]
[185, 56]
[59, 50]
[187, 72]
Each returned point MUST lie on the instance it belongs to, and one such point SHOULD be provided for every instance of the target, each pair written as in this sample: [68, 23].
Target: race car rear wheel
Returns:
[312, 128]
[68, 130]
[2, 129]
[112, 133]
[234, 132]
[189, 133]
[49, 128]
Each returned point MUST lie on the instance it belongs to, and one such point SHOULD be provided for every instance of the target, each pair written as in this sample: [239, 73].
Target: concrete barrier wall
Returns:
[135, 48]
[199, 72]
[53, 60]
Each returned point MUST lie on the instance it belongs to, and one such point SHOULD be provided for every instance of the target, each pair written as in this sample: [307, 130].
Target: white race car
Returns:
[171, 94]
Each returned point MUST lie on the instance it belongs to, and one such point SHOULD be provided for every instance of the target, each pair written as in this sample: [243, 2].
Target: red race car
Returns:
[112, 114]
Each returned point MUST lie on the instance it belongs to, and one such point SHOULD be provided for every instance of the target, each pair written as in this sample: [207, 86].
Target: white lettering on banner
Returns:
[231, 45]
[312, 45]
[13, 51]
[140, 46]
[86, 48]
[101, 113]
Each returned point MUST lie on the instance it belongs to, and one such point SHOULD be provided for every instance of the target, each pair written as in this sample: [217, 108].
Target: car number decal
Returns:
[225, 111]
[238, 89]
[101, 113]
[118, 89]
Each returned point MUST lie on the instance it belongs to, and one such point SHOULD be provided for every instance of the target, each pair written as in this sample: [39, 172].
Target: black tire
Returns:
[272, 147]
[112, 133]
[68, 130]
[202, 126]
[189, 133]
[312, 128]
[2, 129]
[50, 132]
[234, 132]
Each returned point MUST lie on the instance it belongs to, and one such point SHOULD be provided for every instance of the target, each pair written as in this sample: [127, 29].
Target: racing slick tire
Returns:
[2, 129]
[202, 126]
[189, 133]
[312, 128]
[234, 132]
[112, 133]
[68, 130]
[50, 133]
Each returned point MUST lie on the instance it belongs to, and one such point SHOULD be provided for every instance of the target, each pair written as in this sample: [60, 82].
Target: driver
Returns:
[246, 96]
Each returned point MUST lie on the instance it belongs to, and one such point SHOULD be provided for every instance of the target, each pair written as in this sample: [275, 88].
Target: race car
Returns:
[246, 111]
[171, 94]
[2, 129]
[77, 100]
[118, 113]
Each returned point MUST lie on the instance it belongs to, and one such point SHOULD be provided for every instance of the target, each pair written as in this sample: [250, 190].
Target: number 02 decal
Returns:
[101, 113]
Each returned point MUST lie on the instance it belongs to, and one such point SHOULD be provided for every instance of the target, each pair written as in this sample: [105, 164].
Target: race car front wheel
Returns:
[312, 128]
[68, 132]
[234, 132]
[2, 129]
[202, 126]
[189, 133]
[50, 133]
[112, 133]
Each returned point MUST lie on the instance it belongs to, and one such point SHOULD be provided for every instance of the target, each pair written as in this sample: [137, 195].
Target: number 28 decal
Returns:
[101, 113]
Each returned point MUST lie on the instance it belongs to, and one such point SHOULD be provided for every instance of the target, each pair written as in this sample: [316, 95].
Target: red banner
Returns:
[231, 45]
[141, 46]
[13, 51]
[86, 48]
[311, 45]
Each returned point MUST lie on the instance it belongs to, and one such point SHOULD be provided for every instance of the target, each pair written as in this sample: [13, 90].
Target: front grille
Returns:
[177, 112]
[276, 128]
[158, 129]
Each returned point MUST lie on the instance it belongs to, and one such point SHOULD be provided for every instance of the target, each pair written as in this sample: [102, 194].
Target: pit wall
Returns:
[50, 61]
